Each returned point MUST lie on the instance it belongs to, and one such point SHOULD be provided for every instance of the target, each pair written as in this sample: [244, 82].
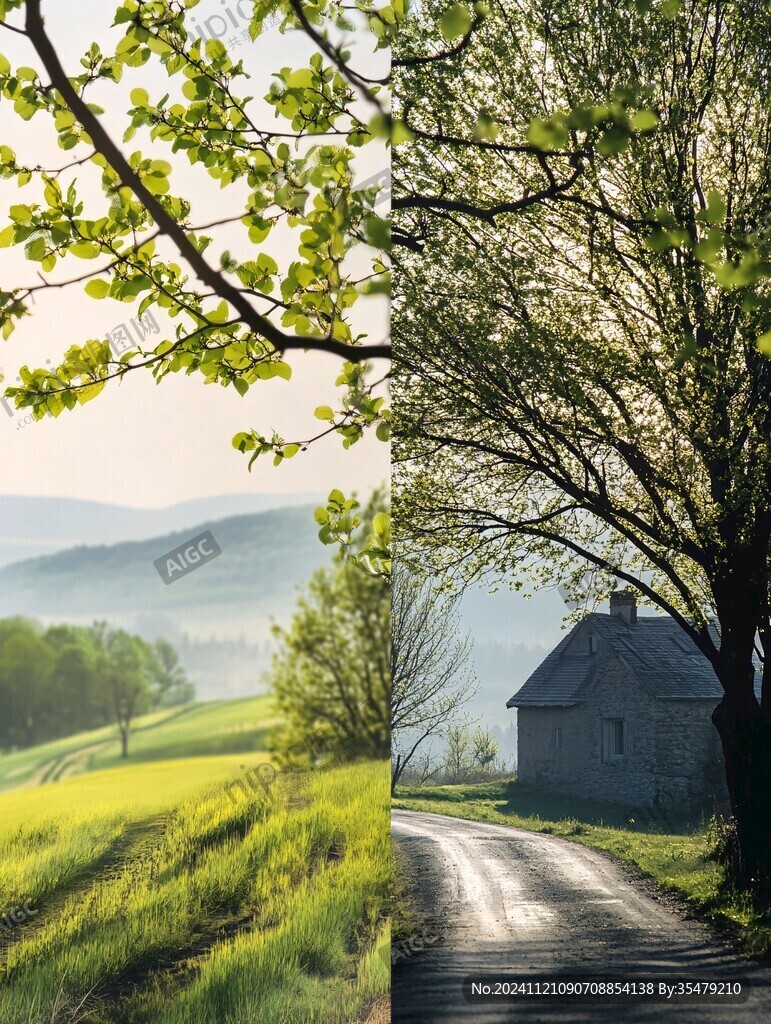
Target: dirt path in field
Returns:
[65, 766]
[502, 901]
[76, 762]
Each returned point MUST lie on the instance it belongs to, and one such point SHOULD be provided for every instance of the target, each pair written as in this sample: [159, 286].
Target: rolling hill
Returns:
[36, 525]
[264, 557]
[219, 617]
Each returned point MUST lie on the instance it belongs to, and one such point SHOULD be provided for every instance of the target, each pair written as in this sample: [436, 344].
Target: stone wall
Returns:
[612, 694]
[538, 762]
[689, 758]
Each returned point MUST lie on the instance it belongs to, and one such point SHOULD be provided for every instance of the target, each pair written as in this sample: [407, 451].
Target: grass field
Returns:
[672, 853]
[161, 898]
[218, 727]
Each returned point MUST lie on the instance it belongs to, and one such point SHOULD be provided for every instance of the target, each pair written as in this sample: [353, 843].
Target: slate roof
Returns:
[660, 654]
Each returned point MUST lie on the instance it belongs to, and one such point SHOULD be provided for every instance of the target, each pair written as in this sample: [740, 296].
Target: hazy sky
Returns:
[139, 443]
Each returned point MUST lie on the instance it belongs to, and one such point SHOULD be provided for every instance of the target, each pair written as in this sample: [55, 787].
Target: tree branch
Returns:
[258, 323]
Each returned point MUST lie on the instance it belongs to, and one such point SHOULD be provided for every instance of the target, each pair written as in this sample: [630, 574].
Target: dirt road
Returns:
[505, 902]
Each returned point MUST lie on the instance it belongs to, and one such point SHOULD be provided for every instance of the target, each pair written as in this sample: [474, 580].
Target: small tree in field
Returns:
[124, 667]
[460, 758]
[484, 751]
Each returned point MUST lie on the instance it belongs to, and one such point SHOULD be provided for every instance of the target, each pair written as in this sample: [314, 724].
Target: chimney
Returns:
[623, 604]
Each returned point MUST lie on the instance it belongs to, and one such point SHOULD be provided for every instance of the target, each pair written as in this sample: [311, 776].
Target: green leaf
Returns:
[455, 22]
[487, 129]
[324, 412]
[548, 135]
[764, 344]
[140, 97]
[645, 121]
[258, 232]
[614, 140]
[35, 250]
[715, 210]
[670, 8]
[215, 49]
[400, 133]
[220, 314]
[21, 215]
[85, 250]
[98, 289]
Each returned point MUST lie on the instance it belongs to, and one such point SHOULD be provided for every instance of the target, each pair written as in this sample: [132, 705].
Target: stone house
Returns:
[620, 711]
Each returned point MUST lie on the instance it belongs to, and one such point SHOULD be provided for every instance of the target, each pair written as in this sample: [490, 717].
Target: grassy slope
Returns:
[674, 857]
[216, 727]
[261, 909]
[174, 902]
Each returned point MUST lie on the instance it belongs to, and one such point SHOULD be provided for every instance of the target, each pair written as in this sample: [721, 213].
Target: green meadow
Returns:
[163, 897]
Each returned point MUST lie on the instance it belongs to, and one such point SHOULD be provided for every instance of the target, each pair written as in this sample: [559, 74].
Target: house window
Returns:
[613, 739]
[592, 644]
[557, 738]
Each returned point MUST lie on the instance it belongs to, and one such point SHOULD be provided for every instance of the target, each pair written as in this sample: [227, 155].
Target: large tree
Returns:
[583, 321]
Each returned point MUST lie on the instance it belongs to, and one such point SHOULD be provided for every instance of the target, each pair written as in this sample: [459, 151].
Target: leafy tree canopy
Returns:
[66, 679]
[331, 675]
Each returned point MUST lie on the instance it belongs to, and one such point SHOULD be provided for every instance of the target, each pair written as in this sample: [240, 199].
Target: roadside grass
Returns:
[405, 920]
[270, 907]
[673, 853]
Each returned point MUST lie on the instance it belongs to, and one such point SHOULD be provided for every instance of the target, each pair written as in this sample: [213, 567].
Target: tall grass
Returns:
[270, 908]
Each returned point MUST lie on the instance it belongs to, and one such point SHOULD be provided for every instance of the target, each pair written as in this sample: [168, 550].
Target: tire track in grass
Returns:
[137, 838]
[125, 1000]
[131, 993]
[174, 971]
[136, 844]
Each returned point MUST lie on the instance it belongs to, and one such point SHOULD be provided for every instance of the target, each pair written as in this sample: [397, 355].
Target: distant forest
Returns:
[65, 679]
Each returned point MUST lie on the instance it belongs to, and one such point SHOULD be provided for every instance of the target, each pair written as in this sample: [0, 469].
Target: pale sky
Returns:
[139, 443]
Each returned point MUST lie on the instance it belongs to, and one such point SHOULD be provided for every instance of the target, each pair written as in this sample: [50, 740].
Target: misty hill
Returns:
[218, 617]
[33, 526]
[264, 558]
[501, 668]
[512, 635]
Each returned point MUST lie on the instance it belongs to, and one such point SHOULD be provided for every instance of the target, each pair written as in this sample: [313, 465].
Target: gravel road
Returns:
[496, 900]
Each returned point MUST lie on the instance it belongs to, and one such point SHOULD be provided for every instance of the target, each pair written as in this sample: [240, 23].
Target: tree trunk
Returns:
[124, 737]
[396, 772]
[746, 740]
